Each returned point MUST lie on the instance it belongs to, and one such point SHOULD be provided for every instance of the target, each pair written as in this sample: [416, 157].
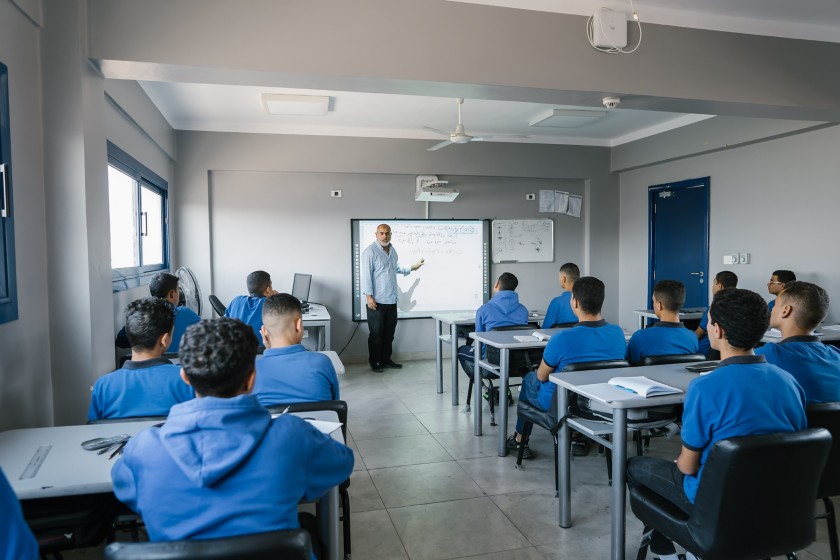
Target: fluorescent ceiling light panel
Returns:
[282, 104]
[567, 118]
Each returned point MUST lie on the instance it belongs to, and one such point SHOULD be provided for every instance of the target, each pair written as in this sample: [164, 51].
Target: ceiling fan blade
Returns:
[436, 131]
[439, 146]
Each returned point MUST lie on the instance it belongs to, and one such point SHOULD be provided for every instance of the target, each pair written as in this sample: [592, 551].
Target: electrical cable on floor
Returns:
[351, 337]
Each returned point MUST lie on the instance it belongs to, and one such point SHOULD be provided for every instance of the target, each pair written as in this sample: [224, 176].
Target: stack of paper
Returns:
[644, 386]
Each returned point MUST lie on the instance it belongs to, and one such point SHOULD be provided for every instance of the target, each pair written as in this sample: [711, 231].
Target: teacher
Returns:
[379, 283]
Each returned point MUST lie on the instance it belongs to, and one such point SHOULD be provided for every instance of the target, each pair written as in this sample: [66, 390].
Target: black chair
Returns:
[340, 408]
[68, 522]
[755, 499]
[217, 305]
[289, 544]
[672, 359]
[547, 419]
[827, 415]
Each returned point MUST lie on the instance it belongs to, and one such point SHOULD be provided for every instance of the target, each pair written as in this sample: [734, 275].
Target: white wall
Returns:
[777, 200]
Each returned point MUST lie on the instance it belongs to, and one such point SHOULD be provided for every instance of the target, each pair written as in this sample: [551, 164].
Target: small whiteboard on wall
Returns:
[523, 241]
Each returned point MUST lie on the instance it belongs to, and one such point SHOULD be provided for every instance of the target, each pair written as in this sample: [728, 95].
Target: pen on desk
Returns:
[285, 411]
[118, 450]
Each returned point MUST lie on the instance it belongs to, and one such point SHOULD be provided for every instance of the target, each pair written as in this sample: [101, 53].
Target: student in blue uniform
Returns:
[220, 466]
[668, 336]
[778, 280]
[287, 372]
[147, 384]
[560, 309]
[165, 286]
[724, 279]
[799, 309]
[16, 539]
[248, 309]
[744, 396]
[591, 340]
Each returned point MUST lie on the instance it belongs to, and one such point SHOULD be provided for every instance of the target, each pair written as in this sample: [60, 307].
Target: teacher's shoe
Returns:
[391, 364]
[377, 368]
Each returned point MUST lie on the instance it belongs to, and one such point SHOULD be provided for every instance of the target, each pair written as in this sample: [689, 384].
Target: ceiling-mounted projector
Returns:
[432, 189]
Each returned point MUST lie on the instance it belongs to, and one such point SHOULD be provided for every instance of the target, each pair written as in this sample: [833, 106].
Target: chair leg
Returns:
[637, 435]
[490, 402]
[344, 495]
[832, 528]
[644, 542]
[556, 460]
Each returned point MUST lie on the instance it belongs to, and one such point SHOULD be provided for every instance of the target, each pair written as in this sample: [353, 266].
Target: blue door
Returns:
[679, 238]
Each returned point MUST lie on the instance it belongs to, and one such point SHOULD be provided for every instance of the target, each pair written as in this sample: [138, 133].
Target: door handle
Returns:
[697, 274]
[5, 211]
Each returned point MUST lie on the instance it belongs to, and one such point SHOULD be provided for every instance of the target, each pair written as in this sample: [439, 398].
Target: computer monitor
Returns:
[300, 288]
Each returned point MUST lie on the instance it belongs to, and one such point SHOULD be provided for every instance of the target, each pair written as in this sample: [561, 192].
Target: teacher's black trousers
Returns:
[382, 323]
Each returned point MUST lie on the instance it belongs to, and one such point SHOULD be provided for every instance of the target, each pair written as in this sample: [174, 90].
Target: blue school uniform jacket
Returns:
[248, 309]
[184, 317]
[16, 539]
[502, 310]
[139, 388]
[814, 365]
[292, 374]
[560, 311]
[663, 338]
[223, 467]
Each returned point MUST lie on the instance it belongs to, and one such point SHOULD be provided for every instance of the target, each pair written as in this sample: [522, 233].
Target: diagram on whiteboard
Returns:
[523, 241]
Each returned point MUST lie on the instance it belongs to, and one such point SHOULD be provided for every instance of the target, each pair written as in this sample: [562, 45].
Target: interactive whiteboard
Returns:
[523, 241]
[456, 273]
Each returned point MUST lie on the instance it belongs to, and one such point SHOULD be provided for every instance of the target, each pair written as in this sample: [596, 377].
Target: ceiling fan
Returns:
[460, 136]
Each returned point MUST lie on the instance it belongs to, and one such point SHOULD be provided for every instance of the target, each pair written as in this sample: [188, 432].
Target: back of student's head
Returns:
[280, 308]
[784, 276]
[508, 281]
[257, 282]
[809, 301]
[162, 283]
[571, 271]
[727, 279]
[589, 293]
[670, 293]
[146, 320]
[218, 356]
[743, 316]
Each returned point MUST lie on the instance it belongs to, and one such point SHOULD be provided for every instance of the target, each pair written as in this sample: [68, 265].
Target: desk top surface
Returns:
[505, 339]
[687, 313]
[317, 312]
[827, 332]
[468, 317]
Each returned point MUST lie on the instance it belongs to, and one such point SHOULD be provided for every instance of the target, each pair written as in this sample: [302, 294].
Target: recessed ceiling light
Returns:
[282, 104]
[567, 118]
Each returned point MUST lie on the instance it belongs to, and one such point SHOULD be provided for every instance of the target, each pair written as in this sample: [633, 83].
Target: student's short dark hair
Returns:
[810, 303]
[727, 279]
[162, 283]
[257, 282]
[218, 355]
[280, 305]
[670, 293]
[571, 271]
[589, 293]
[784, 276]
[508, 281]
[743, 316]
[146, 320]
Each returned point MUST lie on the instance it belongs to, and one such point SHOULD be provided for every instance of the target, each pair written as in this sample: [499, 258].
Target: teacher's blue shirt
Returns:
[379, 273]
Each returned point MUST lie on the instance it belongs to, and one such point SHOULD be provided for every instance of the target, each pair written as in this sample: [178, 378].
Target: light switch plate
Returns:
[730, 259]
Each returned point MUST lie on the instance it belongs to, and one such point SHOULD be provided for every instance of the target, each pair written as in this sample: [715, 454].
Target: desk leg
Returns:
[504, 383]
[564, 460]
[476, 400]
[641, 322]
[453, 341]
[327, 341]
[329, 523]
[619, 465]
[438, 355]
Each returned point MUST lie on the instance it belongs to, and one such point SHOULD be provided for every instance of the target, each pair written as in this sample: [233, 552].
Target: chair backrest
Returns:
[563, 325]
[521, 361]
[127, 419]
[598, 364]
[339, 407]
[289, 544]
[672, 359]
[827, 415]
[217, 305]
[756, 495]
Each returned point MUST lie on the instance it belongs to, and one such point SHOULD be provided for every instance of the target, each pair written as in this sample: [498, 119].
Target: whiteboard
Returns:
[523, 241]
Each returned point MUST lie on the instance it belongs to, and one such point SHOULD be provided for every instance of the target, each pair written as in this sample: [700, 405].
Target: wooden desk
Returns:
[674, 375]
[317, 316]
[689, 314]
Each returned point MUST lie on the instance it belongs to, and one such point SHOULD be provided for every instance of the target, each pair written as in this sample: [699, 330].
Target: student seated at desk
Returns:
[668, 336]
[16, 539]
[723, 279]
[147, 384]
[799, 309]
[165, 286]
[221, 466]
[287, 372]
[744, 396]
[778, 280]
[560, 309]
[248, 309]
[591, 340]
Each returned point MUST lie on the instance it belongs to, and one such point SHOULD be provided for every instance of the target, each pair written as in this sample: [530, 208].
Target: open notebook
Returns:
[625, 389]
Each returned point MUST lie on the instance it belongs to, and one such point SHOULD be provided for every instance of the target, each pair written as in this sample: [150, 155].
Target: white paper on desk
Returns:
[323, 426]
[525, 338]
[829, 328]
[606, 393]
[541, 335]
[773, 333]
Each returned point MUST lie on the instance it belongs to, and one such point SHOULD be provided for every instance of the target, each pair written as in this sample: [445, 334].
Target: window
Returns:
[139, 220]
[8, 279]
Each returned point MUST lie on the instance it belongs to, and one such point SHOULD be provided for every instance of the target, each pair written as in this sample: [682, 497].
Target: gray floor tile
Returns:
[465, 445]
[518, 554]
[384, 406]
[375, 538]
[498, 475]
[393, 425]
[363, 494]
[424, 484]
[398, 451]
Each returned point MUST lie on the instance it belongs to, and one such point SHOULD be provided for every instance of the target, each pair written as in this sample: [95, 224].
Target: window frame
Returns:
[9, 303]
[133, 276]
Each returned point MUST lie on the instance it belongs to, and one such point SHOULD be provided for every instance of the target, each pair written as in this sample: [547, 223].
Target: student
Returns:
[248, 309]
[724, 279]
[778, 280]
[147, 384]
[220, 466]
[165, 286]
[16, 539]
[799, 309]
[559, 310]
[592, 339]
[667, 336]
[287, 373]
[744, 396]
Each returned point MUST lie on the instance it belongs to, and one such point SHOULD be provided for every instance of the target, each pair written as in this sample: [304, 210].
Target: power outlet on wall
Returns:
[530, 196]
[335, 194]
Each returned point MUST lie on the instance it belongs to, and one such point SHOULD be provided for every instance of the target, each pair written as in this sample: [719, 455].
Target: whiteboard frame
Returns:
[547, 256]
